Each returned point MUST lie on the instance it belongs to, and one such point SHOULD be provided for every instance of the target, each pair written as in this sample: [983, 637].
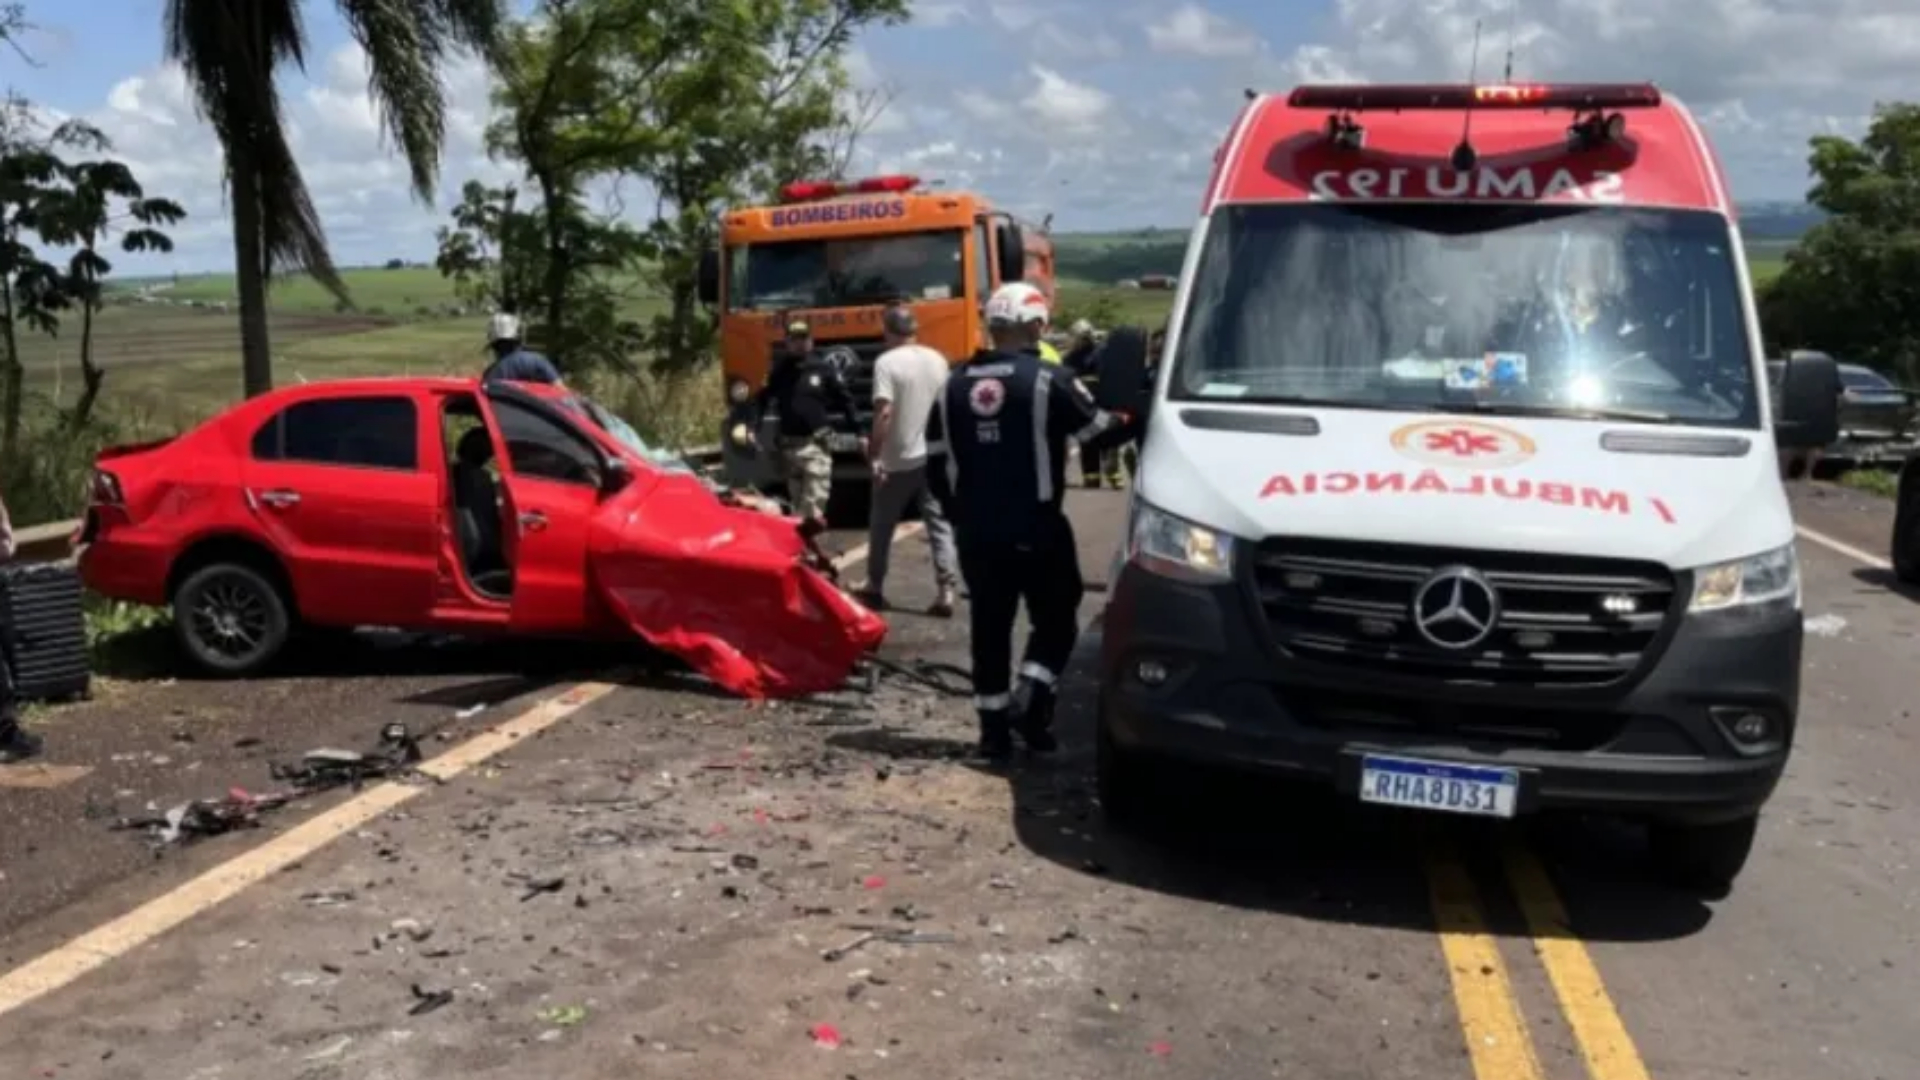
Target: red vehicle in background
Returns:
[439, 504]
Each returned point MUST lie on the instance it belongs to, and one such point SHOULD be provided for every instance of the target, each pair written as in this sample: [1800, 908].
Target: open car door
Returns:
[722, 587]
[554, 478]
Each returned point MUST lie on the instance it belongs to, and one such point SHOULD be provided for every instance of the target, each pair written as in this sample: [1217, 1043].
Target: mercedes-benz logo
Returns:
[842, 358]
[1456, 608]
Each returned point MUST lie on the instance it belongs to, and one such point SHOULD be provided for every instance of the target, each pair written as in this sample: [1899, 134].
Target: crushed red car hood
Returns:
[724, 588]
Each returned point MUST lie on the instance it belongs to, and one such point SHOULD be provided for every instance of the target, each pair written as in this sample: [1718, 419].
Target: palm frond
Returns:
[408, 43]
[229, 50]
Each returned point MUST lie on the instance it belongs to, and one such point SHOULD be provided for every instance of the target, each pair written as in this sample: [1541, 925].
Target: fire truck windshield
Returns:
[863, 270]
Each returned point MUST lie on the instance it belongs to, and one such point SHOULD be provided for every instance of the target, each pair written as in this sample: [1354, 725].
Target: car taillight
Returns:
[105, 490]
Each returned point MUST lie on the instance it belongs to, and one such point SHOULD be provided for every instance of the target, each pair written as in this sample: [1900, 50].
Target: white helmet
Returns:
[1082, 328]
[503, 327]
[1017, 302]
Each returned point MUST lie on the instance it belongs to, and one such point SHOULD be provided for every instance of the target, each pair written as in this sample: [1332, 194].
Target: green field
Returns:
[169, 365]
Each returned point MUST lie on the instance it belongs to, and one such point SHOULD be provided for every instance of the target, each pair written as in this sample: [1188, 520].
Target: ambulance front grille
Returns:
[1560, 621]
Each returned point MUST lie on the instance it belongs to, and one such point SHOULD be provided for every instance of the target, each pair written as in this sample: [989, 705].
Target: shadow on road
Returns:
[153, 654]
[1885, 579]
[1255, 843]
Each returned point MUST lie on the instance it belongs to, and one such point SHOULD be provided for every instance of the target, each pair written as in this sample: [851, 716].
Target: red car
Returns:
[443, 505]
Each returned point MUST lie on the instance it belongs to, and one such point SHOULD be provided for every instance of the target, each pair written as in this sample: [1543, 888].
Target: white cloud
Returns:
[938, 13]
[1039, 104]
[1059, 100]
[1192, 30]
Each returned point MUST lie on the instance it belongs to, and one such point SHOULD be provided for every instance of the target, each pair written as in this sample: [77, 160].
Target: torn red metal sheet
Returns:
[724, 588]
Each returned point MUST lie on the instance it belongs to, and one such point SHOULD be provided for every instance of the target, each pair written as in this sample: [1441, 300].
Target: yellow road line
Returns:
[1604, 1043]
[100, 946]
[1498, 1042]
[104, 944]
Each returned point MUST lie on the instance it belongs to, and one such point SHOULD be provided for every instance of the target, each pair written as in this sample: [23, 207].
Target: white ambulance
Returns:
[1460, 489]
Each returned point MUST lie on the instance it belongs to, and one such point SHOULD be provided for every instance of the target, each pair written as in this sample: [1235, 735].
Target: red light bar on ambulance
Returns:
[1577, 96]
[810, 190]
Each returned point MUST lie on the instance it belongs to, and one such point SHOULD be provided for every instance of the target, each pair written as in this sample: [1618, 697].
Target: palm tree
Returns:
[231, 50]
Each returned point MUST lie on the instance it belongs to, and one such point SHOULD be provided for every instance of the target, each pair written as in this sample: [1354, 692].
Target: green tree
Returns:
[707, 104]
[769, 103]
[231, 52]
[491, 251]
[33, 198]
[1852, 285]
[576, 101]
[103, 195]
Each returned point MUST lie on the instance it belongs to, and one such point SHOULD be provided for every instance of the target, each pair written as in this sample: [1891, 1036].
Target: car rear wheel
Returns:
[1703, 858]
[1906, 527]
[231, 619]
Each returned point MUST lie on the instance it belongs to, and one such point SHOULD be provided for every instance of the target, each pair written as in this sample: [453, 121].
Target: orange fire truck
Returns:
[837, 253]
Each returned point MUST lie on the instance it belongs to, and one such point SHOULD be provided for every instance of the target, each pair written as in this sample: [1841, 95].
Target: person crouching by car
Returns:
[805, 389]
[15, 743]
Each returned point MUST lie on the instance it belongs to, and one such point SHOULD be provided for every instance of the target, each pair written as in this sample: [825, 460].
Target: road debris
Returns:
[842, 952]
[563, 1015]
[1826, 626]
[200, 818]
[426, 1001]
[396, 756]
[539, 886]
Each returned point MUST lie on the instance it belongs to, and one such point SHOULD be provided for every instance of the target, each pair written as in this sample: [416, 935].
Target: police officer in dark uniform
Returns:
[997, 454]
[806, 389]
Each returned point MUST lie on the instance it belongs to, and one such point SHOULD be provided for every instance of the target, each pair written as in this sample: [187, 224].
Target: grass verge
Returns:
[1882, 482]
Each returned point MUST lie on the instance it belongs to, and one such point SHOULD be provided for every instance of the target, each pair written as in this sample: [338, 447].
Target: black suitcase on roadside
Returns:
[41, 615]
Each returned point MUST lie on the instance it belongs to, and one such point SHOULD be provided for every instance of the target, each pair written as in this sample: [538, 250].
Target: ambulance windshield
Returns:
[1627, 313]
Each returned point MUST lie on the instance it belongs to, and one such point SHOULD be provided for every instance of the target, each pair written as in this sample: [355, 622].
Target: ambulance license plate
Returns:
[1438, 785]
[846, 442]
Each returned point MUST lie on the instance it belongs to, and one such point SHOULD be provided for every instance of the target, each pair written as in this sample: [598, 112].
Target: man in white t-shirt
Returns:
[907, 380]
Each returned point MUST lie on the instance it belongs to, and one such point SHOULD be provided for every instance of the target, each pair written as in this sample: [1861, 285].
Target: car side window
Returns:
[539, 447]
[354, 432]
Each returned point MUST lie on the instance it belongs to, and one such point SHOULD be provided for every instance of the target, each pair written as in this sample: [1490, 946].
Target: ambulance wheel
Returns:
[1703, 858]
[1121, 781]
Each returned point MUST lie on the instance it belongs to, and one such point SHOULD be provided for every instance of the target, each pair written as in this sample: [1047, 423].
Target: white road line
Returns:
[1842, 547]
[117, 937]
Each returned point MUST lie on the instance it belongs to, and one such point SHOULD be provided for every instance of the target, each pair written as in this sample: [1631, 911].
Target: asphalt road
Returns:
[702, 856]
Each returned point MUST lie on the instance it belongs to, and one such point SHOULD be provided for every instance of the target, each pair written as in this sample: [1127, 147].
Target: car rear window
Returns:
[358, 432]
[1863, 379]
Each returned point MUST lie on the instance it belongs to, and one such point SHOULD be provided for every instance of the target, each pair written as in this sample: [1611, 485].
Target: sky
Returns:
[1104, 114]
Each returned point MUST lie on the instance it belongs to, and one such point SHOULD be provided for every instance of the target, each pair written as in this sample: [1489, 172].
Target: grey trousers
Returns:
[891, 497]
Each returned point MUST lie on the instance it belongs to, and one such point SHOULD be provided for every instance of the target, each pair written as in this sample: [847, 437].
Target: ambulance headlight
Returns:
[1764, 582]
[1174, 547]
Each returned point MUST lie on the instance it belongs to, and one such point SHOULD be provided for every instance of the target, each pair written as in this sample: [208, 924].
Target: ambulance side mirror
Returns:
[1013, 252]
[709, 277]
[1807, 413]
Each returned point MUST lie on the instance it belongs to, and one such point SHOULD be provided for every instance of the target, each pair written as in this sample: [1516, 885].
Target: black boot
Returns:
[996, 736]
[1033, 720]
[15, 744]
